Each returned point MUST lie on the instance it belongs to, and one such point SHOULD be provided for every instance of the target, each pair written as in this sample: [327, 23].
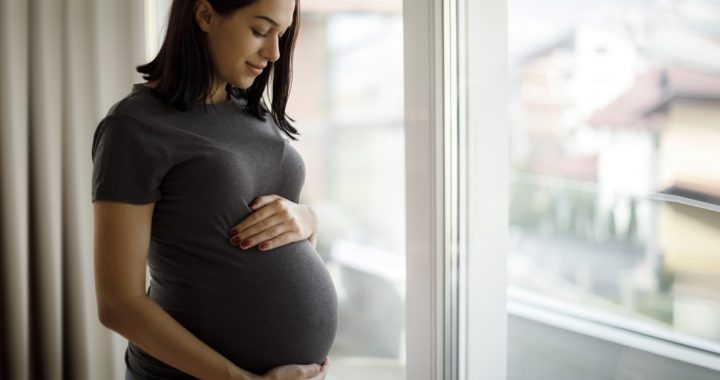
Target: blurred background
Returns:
[615, 182]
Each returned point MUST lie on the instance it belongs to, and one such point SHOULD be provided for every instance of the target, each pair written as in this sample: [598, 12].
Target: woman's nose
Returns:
[271, 50]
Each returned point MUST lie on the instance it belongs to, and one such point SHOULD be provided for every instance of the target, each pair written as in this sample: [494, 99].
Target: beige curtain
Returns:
[62, 64]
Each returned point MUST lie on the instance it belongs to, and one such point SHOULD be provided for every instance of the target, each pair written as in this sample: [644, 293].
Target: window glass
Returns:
[348, 99]
[615, 186]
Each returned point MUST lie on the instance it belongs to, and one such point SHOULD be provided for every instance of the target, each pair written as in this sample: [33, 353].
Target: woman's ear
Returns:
[204, 13]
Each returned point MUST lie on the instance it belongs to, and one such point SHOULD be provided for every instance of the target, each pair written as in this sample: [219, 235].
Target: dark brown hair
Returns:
[184, 70]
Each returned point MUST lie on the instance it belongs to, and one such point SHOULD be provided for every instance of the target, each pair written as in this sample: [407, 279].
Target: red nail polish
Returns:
[233, 232]
[263, 245]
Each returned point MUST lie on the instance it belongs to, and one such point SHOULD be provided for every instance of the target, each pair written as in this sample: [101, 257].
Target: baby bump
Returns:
[280, 309]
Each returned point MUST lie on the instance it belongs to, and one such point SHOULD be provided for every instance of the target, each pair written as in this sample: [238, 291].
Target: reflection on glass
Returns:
[615, 189]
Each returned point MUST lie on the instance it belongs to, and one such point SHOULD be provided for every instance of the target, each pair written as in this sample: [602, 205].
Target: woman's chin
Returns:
[244, 82]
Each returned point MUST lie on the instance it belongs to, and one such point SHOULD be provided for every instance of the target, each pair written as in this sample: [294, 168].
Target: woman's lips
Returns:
[254, 68]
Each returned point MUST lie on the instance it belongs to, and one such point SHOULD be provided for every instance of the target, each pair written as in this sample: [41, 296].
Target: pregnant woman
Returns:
[194, 175]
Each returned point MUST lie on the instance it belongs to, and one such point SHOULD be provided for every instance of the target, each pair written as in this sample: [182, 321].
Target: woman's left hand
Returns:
[276, 221]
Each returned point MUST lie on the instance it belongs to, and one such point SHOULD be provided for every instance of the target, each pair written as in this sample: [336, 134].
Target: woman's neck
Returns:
[217, 94]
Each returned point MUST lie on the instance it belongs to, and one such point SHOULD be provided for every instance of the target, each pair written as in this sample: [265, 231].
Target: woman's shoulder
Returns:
[138, 103]
[138, 113]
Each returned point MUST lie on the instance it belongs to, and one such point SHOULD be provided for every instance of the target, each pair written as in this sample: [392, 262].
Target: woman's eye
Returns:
[256, 33]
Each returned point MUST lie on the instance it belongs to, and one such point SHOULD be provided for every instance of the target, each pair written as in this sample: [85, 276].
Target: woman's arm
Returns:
[122, 239]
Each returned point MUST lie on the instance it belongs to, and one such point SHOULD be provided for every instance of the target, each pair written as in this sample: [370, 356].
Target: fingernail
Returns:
[263, 245]
[233, 232]
[244, 244]
[235, 240]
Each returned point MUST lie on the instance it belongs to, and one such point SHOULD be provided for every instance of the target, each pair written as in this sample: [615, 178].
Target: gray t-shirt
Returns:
[203, 167]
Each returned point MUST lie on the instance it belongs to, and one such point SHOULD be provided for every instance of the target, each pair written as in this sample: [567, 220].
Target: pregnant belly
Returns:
[275, 308]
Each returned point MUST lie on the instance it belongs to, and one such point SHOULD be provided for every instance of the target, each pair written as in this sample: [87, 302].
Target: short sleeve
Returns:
[129, 161]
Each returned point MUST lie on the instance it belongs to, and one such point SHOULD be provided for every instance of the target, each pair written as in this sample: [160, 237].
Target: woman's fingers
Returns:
[278, 241]
[257, 222]
[295, 372]
[323, 370]
[299, 371]
[312, 371]
[272, 231]
[260, 214]
[316, 372]
[277, 223]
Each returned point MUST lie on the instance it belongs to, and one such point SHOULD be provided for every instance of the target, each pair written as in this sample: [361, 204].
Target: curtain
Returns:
[63, 63]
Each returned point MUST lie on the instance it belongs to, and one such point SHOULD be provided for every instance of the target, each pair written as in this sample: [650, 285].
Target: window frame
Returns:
[424, 301]
[456, 260]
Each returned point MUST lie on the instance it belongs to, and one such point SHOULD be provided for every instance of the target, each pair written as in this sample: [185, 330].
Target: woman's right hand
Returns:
[298, 372]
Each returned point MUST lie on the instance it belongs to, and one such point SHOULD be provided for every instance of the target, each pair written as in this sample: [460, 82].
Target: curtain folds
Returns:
[62, 64]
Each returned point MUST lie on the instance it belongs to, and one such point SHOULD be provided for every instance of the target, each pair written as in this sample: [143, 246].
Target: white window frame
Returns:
[422, 47]
[456, 256]
[484, 49]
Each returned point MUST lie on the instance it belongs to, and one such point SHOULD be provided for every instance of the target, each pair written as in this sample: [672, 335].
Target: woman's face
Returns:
[243, 43]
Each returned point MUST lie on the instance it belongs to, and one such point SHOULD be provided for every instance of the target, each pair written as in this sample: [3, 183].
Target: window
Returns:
[614, 197]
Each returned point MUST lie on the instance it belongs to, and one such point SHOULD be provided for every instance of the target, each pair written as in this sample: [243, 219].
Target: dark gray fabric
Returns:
[202, 167]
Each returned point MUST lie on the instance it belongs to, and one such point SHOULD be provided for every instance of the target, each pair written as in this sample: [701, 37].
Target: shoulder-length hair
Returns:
[184, 70]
